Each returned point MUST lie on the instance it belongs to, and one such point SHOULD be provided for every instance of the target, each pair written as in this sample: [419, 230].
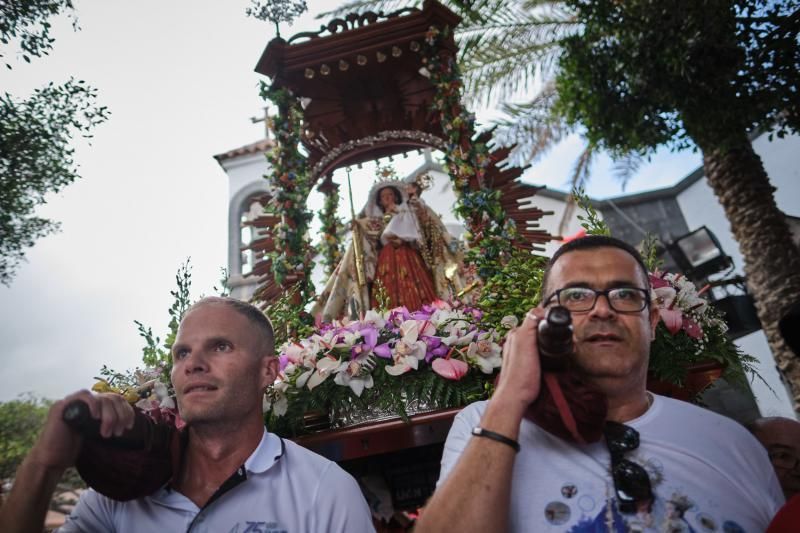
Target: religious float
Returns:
[409, 325]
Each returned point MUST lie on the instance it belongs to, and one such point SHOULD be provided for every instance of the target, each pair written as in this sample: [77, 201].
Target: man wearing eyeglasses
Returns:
[781, 437]
[663, 465]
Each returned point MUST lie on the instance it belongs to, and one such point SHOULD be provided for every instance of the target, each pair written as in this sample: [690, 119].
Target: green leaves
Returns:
[514, 289]
[20, 423]
[643, 74]
[36, 159]
[28, 23]
[591, 222]
[158, 355]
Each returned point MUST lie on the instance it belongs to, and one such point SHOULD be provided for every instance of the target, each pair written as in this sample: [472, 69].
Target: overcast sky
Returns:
[178, 78]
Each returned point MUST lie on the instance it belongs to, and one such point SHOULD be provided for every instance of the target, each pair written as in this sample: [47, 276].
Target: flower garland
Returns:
[489, 231]
[289, 186]
[330, 247]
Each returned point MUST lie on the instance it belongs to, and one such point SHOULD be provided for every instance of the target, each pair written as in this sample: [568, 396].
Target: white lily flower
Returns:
[162, 394]
[458, 334]
[411, 330]
[350, 374]
[325, 367]
[409, 350]
[509, 321]
[485, 353]
[403, 365]
[275, 399]
[374, 318]
[663, 296]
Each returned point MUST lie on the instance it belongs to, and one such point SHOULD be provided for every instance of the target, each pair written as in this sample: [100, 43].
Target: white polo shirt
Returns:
[281, 488]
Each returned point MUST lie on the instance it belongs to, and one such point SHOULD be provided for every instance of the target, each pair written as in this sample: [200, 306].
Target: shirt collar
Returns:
[266, 454]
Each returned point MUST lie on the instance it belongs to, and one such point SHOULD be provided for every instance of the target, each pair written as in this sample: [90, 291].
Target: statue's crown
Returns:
[386, 173]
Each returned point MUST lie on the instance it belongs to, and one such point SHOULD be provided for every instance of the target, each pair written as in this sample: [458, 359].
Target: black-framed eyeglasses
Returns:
[631, 482]
[583, 299]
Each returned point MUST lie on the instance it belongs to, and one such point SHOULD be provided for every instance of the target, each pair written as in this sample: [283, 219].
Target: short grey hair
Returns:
[252, 313]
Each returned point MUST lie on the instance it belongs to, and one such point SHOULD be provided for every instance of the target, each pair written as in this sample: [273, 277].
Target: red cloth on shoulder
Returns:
[787, 520]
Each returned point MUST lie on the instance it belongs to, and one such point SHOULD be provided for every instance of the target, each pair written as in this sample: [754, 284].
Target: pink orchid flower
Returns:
[453, 369]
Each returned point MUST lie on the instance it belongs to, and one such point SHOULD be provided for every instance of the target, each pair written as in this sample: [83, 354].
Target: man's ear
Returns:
[654, 317]
[269, 370]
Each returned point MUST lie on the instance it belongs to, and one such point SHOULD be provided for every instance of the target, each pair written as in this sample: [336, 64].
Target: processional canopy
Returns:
[368, 86]
[363, 84]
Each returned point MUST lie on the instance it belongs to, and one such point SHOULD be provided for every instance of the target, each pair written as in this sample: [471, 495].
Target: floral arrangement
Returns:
[490, 232]
[145, 389]
[690, 332]
[440, 356]
[395, 362]
[289, 186]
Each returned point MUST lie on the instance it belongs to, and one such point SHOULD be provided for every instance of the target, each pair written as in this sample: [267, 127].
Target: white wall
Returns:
[441, 198]
[551, 223]
[245, 177]
[242, 171]
[701, 208]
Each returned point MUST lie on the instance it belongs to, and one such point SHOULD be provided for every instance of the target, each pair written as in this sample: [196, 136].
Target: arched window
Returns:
[250, 209]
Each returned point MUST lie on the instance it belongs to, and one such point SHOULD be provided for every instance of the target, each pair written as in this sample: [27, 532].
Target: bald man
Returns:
[234, 474]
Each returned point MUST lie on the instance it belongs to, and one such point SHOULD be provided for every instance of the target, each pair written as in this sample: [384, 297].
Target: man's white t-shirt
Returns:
[281, 488]
[708, 474]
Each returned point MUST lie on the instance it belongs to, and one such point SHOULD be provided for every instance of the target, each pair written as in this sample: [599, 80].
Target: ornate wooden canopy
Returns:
[365, 87]
[363, 84]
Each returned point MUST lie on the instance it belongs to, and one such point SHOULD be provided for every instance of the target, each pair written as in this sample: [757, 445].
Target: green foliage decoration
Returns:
[591, 221]
[290, 186]
[514, 290]
[157, 354]
[671, 356]
[330, 246]
[289, 320]
[276, 11]
[490, 232]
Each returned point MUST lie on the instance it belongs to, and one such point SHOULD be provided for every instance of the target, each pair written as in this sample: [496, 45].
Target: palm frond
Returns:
[497, 74]
[501, 57]
[361, 6]
[505, 46]
[578, 180]
[581, 171]
[531, 128]
[627, 166]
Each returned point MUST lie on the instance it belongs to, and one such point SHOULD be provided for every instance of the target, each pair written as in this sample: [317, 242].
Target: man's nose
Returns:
[602, 307]
[195, 362]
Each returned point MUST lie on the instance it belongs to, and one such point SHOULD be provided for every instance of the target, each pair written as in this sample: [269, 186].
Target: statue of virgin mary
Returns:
[405, 249]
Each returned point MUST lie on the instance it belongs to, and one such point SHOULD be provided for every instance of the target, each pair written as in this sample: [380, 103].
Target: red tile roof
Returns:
[257, 147]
